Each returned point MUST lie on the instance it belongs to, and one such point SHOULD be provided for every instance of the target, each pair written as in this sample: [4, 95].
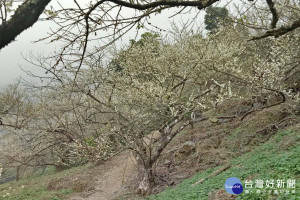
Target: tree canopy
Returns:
[215, 17]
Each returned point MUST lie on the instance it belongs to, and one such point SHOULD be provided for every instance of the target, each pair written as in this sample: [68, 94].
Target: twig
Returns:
[265, 107]
[225, 167]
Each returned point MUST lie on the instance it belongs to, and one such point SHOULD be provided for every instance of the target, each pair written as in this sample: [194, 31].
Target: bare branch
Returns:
[199, 4]
[274, 12]
[279, 31]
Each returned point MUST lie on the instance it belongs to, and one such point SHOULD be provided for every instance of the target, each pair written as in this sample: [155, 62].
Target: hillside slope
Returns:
[277, 159]
[263, 146]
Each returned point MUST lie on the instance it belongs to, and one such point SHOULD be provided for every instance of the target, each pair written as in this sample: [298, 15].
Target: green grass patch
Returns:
[28, 193]
[234, 134]
[35, 187]
[281, 134]
[182, 133]
[265, 162]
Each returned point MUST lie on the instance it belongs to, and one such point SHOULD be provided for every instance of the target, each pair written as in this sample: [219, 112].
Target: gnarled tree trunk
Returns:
[146, 179]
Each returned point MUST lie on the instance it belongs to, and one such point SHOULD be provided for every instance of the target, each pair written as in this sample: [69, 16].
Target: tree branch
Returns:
[222, 169]
[279, 31]
[268, 106]
[200, 4]
[165, 141]
[25, 16]
[274, 13]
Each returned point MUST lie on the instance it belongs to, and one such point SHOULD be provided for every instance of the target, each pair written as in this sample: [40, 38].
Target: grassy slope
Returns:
[279, 158]
[35, 188]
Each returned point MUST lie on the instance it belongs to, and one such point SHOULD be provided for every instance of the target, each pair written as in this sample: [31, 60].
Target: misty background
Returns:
[12, 57]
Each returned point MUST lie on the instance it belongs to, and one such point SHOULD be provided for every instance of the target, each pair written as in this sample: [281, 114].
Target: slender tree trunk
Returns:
[17, 173]
[146, 179]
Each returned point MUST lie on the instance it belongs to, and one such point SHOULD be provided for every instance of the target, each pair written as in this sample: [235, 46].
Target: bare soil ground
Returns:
[113, 178]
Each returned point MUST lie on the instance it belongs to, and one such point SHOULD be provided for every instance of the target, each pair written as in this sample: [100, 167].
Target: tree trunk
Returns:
[145, 173]
[17, 173]
[146, 180]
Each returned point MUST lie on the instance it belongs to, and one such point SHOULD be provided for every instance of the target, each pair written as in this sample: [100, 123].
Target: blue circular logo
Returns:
[233, 186]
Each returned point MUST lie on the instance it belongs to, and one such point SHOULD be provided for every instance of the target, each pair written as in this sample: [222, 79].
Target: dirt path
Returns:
[112, 178]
